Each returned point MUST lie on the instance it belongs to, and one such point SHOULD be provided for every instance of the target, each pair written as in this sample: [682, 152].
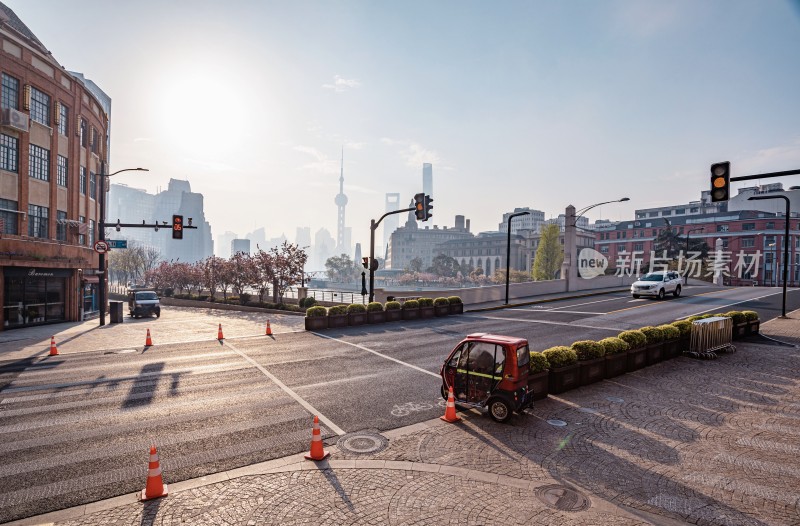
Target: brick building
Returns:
[53, 145]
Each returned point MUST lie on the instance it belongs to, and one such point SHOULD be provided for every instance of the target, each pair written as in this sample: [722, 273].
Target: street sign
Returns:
[101, 247]
[117, 243]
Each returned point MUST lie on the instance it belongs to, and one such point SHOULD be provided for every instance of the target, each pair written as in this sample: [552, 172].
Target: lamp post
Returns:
[508, 249]
[568, 269]
[102, 237]
[701, 229]
[785, 241]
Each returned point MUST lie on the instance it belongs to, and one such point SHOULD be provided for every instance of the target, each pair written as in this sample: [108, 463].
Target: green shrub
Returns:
[374, 306]
[614, 345]
[684, 326]
[690, 319]
[307, 302]
[560, 356]
[454, 300]
[750, 315]
[588, 349]
[539, 362]
[634, 338]
[392, 305]
[425, 302]
[440, 301]
[316, 311]
[653, 334]
[669, 332]
[337, 310]
[737, 317]
[356, 308]
[410, 304]
[244, 299]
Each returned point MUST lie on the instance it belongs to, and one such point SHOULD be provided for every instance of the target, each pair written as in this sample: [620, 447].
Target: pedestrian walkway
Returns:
[682, 441]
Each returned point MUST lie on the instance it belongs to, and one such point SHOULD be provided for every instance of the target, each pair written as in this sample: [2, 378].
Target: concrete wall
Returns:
[528, 290]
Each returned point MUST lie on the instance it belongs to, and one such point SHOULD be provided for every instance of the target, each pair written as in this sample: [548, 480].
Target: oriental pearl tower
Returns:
[341, 202]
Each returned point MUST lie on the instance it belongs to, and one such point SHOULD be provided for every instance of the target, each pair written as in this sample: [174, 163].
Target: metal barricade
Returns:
[710, 336]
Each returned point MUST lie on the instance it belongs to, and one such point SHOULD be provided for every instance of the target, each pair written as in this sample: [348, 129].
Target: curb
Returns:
[546, 300]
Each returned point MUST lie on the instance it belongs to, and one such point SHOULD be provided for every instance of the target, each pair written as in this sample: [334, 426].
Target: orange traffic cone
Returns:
[148, 342]
[219, 333]
[155, 484]
[269, 329]
[317, 453]
[53, 348]
[450, 412]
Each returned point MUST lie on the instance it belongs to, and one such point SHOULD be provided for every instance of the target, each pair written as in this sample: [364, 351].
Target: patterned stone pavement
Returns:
[681, 442]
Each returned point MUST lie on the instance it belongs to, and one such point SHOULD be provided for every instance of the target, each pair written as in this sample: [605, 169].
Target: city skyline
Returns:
[505, 100]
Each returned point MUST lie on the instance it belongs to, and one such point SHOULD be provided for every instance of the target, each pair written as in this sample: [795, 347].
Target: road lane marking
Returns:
[553, 311]
[333, 427]
[567, 324]
[720, 307]
[616, 298]
[376, 353]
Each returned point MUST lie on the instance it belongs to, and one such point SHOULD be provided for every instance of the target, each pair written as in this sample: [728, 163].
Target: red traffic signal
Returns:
[365, 262]
[177, 227]
[720, 182]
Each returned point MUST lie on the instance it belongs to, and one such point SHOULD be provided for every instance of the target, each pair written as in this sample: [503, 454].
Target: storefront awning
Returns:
[91, 279]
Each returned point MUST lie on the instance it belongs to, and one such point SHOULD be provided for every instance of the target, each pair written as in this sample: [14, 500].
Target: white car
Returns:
[657, 284]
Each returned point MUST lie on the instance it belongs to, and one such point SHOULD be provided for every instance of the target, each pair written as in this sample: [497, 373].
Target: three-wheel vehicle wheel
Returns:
[499, 410]
[677, 291]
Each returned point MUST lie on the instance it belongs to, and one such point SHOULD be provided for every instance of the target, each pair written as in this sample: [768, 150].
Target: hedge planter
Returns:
[456, 308]
[393, 315]
[410, 314]
[427, 312]
[672, 348]
[316, 323]
[592, 371]
[752, 327]
[740, 330]
[616, 364]
[655, 353]
[376, 316]
[441, 310]
[637, 358]
[337, 320]
[357, 318]
[537, 384]
[564, 378]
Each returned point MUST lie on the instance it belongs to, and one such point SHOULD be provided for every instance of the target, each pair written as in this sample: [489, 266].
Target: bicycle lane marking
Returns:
[376, 353]
[325, 420]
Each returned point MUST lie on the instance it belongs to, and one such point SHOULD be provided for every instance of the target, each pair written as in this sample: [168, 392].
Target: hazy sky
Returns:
[531, 103]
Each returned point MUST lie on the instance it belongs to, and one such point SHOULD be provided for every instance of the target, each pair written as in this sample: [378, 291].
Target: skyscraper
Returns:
[427, 178]
[390, 223]
[341, 202]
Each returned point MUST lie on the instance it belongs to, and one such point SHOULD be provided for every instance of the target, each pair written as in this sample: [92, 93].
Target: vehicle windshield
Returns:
[653, 277]
[146, 296]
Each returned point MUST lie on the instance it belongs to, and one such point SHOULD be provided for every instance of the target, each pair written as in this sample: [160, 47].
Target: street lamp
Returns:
[785, 241]
[102, 237]
[508, 249]
[686, 277]
[582, 211]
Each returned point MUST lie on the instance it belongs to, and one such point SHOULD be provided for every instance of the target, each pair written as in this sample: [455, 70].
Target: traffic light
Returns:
[419, 207]
[428, 207]
[177, 227]
[720, 181]
[365, 262]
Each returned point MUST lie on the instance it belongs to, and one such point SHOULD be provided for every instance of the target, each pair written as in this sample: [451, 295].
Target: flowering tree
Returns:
[288, 263]
[210, 269]
[243, 274]
[265, 272]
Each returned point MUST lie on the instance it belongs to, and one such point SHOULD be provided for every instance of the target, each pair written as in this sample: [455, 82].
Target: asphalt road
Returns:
[76, 428]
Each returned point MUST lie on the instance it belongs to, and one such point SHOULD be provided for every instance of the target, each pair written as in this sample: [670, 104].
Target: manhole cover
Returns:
[556, 422]
[615, 399]
[362, 442]
[562, 498]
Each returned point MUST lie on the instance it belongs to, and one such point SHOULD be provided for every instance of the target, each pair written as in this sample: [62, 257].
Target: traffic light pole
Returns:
[765, 176]
[785, 241]
[373, 225]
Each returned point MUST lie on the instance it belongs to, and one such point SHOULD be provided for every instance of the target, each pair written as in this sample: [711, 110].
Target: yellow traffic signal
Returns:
[720, 181]
[419, 207]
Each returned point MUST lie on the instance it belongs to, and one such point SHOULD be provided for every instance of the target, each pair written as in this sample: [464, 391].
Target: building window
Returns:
[10, 96]
[61, 174]
[61, 225]
[652, 214]
[40, 106]
[638, 247]
[680, 211]
[8, 217]
[83, 181]
[666, 213]
[91, 232]
[84, 135]
[604, 249]
[37, 221]
[620, 247]
[769, 240]
[722, 228]
[771, 225]
[748, 242]
[95, 141]
[92, 186]
[693, 210]
[81, 237]
[39, 163]
[748, 226]
[63, 120]
[9, 148]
